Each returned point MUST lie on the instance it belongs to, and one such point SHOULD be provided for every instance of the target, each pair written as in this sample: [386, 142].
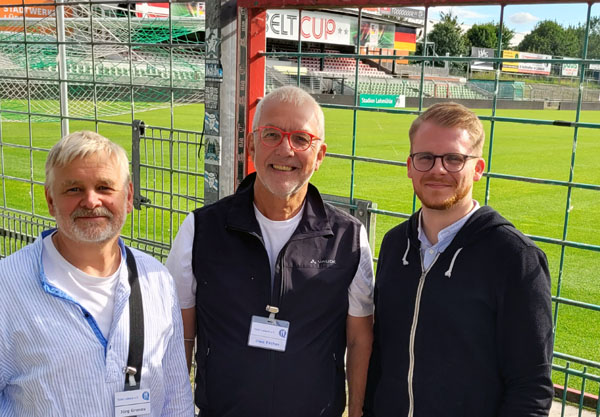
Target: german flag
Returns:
[405, 38]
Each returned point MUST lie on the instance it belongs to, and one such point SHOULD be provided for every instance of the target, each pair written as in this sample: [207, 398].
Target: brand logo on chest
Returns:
[322, 261]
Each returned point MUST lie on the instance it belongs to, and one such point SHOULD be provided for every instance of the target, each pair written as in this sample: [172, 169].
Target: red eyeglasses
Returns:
[272, 137]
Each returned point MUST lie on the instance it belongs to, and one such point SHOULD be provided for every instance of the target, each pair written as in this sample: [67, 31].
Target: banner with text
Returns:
[569, 70]
[526, 67]
[314, 26]
[337, 29]
[397, 12]
[8, 9]
[482, 53]
[382, 100]
[161, 10]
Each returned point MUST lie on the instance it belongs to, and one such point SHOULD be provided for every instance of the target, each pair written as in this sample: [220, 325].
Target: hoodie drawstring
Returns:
[449, 271]
[404, 260]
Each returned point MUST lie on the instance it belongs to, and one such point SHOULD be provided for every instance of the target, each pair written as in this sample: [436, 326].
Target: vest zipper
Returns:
[413, 331]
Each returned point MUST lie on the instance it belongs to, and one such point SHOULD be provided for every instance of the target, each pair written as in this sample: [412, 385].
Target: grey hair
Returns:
[296, 96]
[80, 145]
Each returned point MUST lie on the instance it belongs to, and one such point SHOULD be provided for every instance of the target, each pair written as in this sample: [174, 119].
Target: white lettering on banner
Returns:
[314, 26]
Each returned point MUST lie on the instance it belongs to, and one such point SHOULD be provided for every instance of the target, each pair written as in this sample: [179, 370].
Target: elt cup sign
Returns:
[313, 26]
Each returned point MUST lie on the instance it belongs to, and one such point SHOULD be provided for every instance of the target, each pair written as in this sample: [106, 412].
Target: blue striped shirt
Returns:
[54, 361]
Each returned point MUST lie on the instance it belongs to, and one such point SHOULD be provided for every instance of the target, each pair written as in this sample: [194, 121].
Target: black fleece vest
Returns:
[313, 273]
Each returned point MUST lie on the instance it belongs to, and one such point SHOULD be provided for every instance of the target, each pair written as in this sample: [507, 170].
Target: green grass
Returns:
[518, 149]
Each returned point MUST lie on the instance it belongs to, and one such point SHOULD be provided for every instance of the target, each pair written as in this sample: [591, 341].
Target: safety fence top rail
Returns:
[428, 58]
[282, 4]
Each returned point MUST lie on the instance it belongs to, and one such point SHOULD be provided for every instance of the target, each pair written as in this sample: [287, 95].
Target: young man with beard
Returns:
[463, 324]
[275, 245]
[88, 326]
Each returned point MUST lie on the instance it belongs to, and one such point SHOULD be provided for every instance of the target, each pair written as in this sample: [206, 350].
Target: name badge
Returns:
[268, 333]
[132, 403]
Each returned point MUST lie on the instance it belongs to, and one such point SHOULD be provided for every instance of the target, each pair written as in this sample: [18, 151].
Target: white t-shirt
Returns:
[179, 264]
[275, 234]
[95, 294]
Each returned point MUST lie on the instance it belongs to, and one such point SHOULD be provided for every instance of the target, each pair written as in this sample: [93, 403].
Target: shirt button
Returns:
[431, 251]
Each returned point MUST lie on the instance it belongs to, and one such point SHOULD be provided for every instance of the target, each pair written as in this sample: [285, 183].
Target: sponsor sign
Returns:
[482, 53]
[8, 9]
[320, 27]
[382, 100]
[311, 27]
[569, 70]
[161, 10]
[595, 67]
[526, 67]
[398, 12]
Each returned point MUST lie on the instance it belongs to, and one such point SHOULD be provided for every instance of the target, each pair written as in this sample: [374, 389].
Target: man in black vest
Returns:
[463, 324]
[274, 284]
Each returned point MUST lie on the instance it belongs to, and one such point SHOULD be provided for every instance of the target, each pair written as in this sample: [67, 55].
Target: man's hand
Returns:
[359, 333]
[188, 316]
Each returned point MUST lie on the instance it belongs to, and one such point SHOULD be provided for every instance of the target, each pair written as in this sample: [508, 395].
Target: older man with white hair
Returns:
[89, 327]
[275, 284]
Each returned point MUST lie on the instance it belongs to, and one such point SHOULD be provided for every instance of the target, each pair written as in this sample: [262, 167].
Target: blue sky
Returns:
[520, 18]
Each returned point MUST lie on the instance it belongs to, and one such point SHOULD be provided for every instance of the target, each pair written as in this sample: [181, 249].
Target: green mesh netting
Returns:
[113, 63]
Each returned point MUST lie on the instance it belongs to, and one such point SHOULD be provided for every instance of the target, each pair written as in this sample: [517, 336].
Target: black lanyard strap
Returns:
[136, 323]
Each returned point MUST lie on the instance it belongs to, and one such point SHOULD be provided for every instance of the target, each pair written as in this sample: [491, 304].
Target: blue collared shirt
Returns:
[445, 236]
[54, 361]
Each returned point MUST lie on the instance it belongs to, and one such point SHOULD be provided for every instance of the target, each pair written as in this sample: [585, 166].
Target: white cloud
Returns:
[461, 12]
[522, 18]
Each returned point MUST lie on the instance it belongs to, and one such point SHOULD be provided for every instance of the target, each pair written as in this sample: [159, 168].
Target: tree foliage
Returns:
[447, 36]
[550, 38]
[486, 36]
[593, 51]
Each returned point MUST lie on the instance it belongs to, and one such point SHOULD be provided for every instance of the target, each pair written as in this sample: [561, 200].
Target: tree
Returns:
[550, 38]
[447, 36]
[593, 51]
[486, 36]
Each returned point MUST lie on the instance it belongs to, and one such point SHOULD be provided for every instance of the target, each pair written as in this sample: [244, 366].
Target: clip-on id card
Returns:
[267, 332]
[132, 403]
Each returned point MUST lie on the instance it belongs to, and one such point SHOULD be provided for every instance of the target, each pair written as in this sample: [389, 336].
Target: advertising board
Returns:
[526, 67]
[314, 26]
[382, 100]
[482, 53]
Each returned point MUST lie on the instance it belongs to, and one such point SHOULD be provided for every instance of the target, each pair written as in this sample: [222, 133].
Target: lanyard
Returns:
[136, 327]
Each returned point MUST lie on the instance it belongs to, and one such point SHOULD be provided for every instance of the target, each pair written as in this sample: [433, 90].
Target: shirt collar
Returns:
[40, 246]
[447, 234]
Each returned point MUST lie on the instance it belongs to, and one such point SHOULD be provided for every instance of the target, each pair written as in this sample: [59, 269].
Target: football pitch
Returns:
[525, 150]
[536, 151]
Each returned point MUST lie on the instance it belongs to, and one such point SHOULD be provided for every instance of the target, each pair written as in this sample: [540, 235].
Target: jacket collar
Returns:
[484, 219]
[241, 212]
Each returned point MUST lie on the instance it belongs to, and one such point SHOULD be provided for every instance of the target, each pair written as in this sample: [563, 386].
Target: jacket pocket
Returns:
[200, 396]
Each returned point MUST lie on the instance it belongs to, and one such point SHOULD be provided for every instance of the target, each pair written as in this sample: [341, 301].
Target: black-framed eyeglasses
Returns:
[272, 136]
[452, 162]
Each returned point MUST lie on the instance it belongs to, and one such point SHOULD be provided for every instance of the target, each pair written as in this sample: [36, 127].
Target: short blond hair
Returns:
[80, 145]
[450, 114]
